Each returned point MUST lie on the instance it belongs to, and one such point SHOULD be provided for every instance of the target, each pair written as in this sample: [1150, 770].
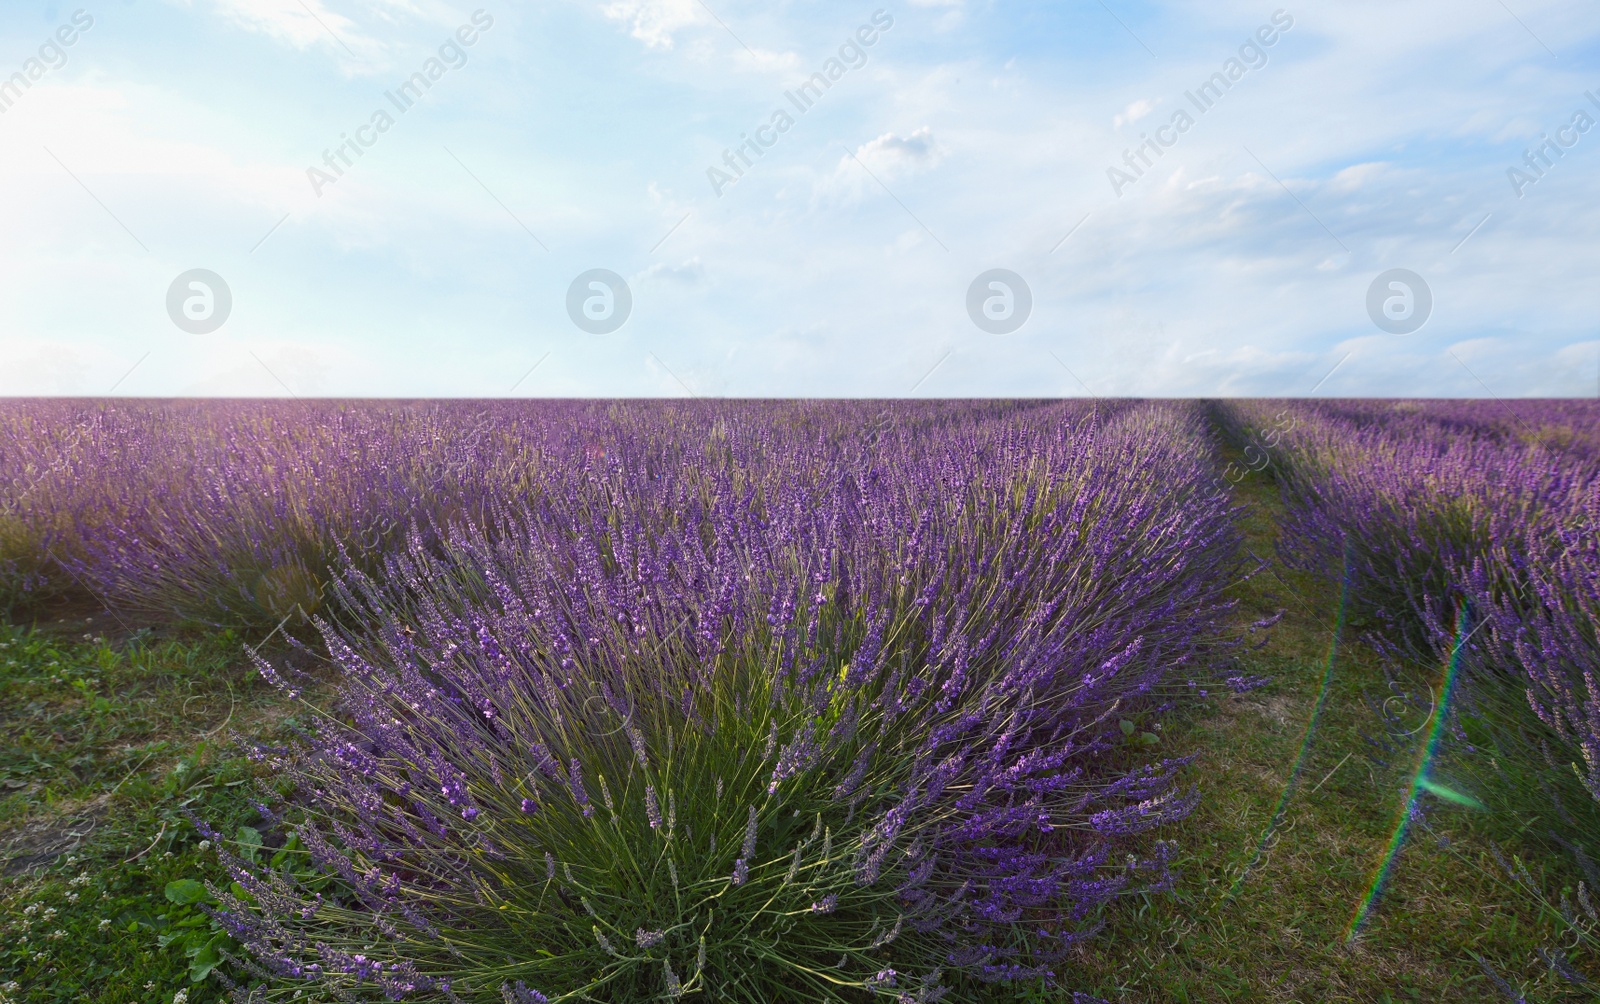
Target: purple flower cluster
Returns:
[877, 671]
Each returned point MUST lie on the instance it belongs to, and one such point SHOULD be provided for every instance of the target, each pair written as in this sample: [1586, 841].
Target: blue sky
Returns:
[574, 135]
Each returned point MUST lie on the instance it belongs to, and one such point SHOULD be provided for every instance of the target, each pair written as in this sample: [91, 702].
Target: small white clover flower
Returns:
[57, 934]
[181, 997]
[104, 923]
[205, 845]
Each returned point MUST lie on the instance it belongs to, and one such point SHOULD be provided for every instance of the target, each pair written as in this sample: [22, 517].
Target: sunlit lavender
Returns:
[692, 698]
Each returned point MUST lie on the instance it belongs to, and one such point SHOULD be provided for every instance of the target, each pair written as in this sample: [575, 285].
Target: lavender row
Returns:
[1565, 426]
[231, 512]
[1410, 510]
[765, 701]
[1442, 514]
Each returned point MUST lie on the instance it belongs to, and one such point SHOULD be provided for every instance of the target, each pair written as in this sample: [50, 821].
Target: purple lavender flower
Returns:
[748, 849]
[579, 794]
[882, 978]
[995, 584]
[520, 994]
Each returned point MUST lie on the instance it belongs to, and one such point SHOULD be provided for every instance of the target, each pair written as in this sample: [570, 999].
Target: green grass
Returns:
[102, 748]
[103, 745]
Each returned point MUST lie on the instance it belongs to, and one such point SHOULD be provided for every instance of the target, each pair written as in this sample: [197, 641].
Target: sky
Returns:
[784, 198]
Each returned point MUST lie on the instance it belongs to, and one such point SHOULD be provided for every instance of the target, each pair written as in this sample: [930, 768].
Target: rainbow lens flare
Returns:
[1420, 782]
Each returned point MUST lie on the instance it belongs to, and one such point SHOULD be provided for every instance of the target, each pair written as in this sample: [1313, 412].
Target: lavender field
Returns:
[828, 701]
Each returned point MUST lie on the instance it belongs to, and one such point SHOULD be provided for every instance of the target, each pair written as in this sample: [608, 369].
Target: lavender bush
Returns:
[762, 702]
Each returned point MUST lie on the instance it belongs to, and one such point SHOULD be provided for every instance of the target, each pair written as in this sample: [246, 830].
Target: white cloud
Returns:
[690, 273]
[764, 61]
[289, 21]
[894, 155]
[302, 25]
[653, 22]
[1133, 113]
[1357, 175]
[364, 42]
[889, 157]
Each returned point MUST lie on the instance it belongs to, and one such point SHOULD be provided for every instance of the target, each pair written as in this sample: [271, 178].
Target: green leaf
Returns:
[1149, 738]
[289, 847]
[249, 841]
[205, 959]
[1127, 727]
[185, 891]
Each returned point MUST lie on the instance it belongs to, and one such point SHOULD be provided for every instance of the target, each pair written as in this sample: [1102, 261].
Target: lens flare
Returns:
[1420, 782]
